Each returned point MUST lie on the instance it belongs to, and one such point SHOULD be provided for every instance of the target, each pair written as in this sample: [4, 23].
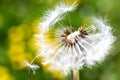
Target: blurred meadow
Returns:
[18, 23]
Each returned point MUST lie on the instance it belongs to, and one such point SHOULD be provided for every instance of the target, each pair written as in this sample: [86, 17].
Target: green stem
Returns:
[76, 75]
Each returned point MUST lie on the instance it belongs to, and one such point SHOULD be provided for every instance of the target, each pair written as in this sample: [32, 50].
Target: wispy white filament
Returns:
[101, 41]
[52, 16]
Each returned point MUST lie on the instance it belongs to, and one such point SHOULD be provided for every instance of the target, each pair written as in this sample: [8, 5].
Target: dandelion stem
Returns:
[76, 75]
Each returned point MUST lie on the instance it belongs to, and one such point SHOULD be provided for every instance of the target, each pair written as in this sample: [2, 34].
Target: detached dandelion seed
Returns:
[33, 67]
[73, 49]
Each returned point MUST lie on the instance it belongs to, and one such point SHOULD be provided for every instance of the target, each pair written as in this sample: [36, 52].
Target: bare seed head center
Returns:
[69, 36]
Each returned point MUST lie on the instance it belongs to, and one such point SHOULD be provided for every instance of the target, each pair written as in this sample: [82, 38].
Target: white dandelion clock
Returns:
[70, 49]
[83, 47]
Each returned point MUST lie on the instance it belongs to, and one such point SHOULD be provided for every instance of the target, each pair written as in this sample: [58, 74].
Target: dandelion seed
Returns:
[33, 67]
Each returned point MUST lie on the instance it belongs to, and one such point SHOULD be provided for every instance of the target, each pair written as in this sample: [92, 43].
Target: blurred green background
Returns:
[18, 20]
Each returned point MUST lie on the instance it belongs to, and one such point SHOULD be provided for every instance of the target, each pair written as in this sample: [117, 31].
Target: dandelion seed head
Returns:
[81, 48]
[68, 49]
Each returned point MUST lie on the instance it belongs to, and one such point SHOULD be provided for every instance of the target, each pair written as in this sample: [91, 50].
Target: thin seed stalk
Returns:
[76, 75]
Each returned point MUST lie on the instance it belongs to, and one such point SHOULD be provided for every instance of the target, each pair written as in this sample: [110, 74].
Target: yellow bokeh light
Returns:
[4, 74]
[21, 44]
[50, 36]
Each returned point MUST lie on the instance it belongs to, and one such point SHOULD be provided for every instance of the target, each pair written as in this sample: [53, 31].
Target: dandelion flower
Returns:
[73, 49]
